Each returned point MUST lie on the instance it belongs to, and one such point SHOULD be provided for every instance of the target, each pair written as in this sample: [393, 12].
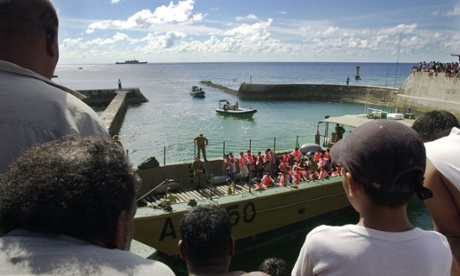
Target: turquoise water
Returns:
[166, 125]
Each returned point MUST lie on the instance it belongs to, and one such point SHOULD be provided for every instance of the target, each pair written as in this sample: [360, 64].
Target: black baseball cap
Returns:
[384, 155]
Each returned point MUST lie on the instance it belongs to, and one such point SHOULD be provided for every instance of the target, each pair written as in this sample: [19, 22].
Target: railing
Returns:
[214, 150]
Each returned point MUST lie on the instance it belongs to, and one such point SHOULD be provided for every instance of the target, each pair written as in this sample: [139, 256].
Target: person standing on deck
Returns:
[198, 168]
[243, 163]
[201, 142]
[33, 108]
[339, 131]
[119, 84]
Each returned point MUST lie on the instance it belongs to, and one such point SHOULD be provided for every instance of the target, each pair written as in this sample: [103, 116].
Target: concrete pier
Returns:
[317, 92]
[424, 92]
[117, 100]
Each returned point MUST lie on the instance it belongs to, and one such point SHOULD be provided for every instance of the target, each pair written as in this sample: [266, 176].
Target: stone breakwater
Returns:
[311, 92]
[424, 92]
[117, 101]
[317, 92]
[421, 92]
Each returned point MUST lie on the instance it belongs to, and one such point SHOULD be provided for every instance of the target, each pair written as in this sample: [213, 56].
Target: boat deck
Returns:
[186, 194]
[180, 200]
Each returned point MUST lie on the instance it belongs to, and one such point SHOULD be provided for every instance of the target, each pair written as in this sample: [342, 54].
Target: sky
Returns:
[106, 31]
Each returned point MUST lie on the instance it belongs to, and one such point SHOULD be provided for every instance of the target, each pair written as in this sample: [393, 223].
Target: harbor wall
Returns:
[114, 115]
[424, 92]
[117, 101]
[102, 97]
[317, 92]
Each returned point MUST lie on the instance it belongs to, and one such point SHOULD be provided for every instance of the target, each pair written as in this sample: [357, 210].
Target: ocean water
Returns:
[165, 126]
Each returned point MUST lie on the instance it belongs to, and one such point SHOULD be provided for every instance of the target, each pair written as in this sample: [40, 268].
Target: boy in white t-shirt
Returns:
[384, 163]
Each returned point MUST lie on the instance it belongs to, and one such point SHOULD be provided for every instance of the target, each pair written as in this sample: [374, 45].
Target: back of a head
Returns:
[387, 157]
[25, 22]
[435, 124]
[275, 267]
[206, 232]
[27, 16]
[73, 186]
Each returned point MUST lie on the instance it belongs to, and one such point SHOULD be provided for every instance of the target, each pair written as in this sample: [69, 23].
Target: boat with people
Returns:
[349, 122]
[228, 108]
[167, 193]
[197, 92]
[131, 61]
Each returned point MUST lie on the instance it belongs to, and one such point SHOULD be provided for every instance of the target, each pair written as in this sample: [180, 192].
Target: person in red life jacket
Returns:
[282, 166]
[297, 155]
[267, 180]
[282, 171]
[318, 156]
[327, 154]
[232, 163]
[286, 158]
[260, 185]
[303, 169]
[243, 164]
[252, 162]
[297, 177]
[323, 174]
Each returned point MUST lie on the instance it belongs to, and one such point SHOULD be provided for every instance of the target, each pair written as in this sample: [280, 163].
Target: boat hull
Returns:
[240, 112]
[251, 213]
[197, 94]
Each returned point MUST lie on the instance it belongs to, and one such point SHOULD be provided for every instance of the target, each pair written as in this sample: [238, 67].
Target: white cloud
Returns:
[115, 1]
[455, 11]
[247, 17]
[181, 13]
[257, 31]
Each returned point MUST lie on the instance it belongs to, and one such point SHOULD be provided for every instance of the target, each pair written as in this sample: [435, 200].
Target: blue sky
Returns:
[105, 31]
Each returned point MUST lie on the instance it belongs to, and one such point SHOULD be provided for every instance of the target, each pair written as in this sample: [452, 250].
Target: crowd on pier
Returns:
[450, 69]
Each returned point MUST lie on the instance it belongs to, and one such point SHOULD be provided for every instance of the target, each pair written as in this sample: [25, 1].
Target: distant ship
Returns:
[132, 61]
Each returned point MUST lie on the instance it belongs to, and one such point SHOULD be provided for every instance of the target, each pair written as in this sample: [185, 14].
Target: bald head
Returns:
[29, 34]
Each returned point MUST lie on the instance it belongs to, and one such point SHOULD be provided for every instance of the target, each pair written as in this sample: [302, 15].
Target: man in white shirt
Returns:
[34, 109]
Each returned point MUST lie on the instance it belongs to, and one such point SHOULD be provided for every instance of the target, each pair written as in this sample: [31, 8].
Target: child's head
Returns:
[387, 158]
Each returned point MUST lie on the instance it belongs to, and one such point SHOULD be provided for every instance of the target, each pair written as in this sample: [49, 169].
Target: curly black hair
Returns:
[206, 234]
[435, 124]
[73, 186]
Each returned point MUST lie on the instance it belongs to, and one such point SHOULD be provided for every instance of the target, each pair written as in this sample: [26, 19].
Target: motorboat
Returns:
[197, 92]
[233, 109]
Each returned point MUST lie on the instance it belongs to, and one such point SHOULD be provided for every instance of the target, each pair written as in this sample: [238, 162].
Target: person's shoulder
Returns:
[325, 230]
[141, 265]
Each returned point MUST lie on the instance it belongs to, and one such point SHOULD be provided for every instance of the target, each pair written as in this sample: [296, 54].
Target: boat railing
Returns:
[219, 150]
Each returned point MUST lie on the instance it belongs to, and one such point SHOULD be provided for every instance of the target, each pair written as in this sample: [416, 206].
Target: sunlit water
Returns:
[166, 126]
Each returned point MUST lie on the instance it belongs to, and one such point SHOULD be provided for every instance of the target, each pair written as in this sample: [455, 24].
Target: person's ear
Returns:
[182, 252]
[353, 185]
[121, 230]
[52, 44]
[231, 251]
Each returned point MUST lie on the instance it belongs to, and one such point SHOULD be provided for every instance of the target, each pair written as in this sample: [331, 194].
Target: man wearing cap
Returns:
[384, 163]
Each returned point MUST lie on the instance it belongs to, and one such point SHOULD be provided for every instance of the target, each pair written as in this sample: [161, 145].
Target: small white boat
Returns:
[197, 92]
[227, 108]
